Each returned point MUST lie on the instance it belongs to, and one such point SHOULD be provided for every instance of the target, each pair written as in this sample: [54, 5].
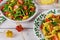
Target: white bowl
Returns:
[36, 11]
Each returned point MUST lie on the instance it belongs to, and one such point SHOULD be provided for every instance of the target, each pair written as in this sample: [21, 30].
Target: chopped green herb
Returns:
[54, 23]
[46, 29]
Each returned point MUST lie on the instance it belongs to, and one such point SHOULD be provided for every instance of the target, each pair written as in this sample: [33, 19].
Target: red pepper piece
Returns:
[19, 28]
[47, 20]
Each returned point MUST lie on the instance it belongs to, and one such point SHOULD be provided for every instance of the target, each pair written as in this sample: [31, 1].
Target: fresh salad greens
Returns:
[18, 9]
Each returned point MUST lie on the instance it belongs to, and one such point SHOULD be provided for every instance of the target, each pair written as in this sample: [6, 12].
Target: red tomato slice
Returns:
[55, 37]
[6, 13]
[1, 1]
[20, 1]
[19, 28]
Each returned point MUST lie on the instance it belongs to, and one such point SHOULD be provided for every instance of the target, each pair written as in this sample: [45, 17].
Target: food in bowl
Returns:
[50, 27]
[18, 9]
[46, 2]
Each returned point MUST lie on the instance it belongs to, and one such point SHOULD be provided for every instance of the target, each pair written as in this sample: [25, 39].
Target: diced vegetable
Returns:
[6, 13]
[12, 0]
[49, 15]
[47, 20]
[25, 17]
[32, 9]
[1, 8]
[54, 23]
[55, 37]
[9, 33]
[19, 28]
[41, 27]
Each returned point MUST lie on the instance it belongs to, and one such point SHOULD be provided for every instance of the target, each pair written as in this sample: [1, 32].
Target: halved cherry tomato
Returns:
[20, 1]
[47, 20]
[12, 17]
[1, 8]
[25, 7]
[7, 3]
[26, 13]
[1, 1]
[55, 37]
[21, 17]
[19, 28]
[32, 9]
[16, 6]
[6, 13]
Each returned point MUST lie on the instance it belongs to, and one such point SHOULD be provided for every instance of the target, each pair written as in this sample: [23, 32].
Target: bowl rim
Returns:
[36, 11]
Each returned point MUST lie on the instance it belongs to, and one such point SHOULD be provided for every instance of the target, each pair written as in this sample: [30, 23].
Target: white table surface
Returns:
[27, 34]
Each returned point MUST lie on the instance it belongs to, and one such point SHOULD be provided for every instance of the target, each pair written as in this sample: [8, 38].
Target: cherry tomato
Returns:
[25, 7]
[1, 8]
[16, 6]
[20, 1]
[12, 17]
[6, 13]
[32, 9]
[47, 20]
[26, 13]
[21, 17]
[1, 1]
[19, 28]
[55, 37]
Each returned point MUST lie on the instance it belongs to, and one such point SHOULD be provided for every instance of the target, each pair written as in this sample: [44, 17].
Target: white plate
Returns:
[38, 21]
